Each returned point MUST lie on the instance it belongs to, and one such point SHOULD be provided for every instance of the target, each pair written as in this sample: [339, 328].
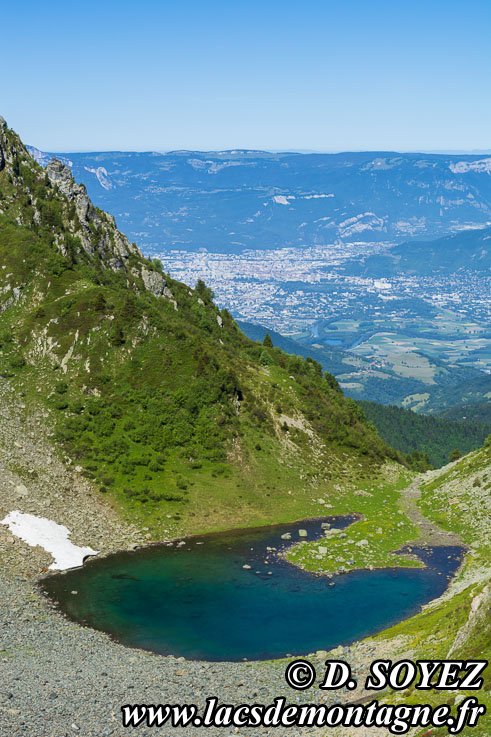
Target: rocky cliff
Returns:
[77, 225]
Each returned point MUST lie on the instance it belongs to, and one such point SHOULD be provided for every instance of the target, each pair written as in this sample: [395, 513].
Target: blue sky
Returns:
[276, 74]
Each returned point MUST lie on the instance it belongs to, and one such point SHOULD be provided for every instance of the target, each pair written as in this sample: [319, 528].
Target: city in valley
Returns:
[313, 296]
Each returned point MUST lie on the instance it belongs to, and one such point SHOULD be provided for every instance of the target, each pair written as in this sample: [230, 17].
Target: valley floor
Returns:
[58, 678]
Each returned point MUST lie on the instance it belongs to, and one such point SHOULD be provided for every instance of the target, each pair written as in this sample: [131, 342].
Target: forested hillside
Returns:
[469, 392]
[480, 412]
[332, 360]
[435, 437]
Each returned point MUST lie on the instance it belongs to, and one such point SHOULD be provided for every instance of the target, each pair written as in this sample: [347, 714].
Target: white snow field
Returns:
[49, 535]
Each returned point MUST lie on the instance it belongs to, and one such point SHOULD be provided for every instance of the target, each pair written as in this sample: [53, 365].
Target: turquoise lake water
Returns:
[197, 600]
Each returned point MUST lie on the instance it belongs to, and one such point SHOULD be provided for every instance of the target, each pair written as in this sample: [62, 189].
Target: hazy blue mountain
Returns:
[470, 249]
[233, 200]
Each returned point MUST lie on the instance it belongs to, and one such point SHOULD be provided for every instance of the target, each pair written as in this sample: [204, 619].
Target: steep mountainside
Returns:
[470, 392]
[152, 391]
[228, 201]
[480, 412]
[361, 380]
[333, 360]
[470, 250]
[436, 437]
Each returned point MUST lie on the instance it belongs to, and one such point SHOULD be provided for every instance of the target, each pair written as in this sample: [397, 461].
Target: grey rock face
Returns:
[3, 143]
[116, 264]
[155, 283]
[109, 239]
[95, 229]
[60, 175]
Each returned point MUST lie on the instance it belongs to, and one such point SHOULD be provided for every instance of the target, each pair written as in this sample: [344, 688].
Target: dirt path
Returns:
[430, 533]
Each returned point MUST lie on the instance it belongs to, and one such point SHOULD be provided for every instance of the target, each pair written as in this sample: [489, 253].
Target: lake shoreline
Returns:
[103, 554]
[198, 571]
[47, 661]
[40, 643]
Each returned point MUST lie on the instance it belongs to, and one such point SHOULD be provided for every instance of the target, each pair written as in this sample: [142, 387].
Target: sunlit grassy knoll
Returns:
[369, 542]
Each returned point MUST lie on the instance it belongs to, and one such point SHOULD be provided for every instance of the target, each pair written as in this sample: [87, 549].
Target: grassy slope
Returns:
[386, 525]
[370, 542]
[180, 419]
[458, 624]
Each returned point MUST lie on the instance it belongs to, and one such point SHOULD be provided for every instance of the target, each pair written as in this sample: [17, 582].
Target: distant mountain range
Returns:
[229, 201]
[466, 250]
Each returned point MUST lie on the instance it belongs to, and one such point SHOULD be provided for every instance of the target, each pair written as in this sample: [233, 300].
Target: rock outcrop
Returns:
[97, 230]
[93, 231]
[2, 156]
[154, 282]
[6, 152]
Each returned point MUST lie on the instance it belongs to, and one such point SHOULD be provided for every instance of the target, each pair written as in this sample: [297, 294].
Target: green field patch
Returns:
[370, 542]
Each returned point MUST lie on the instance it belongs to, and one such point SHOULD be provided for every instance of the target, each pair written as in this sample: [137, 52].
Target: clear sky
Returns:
[275, 74]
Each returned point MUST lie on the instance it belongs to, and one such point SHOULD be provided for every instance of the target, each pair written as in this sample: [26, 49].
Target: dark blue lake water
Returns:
[198, 601]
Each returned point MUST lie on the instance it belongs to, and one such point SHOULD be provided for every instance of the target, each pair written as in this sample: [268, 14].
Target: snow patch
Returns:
[102, 176]
[49, 535]
[282, 199]
[462, 167]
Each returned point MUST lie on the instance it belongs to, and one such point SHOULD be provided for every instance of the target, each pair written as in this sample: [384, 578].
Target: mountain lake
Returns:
[230, 596]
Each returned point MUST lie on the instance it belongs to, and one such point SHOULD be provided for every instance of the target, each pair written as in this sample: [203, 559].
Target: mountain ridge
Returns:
[233, 200]
[154, 392]
[469, 249]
